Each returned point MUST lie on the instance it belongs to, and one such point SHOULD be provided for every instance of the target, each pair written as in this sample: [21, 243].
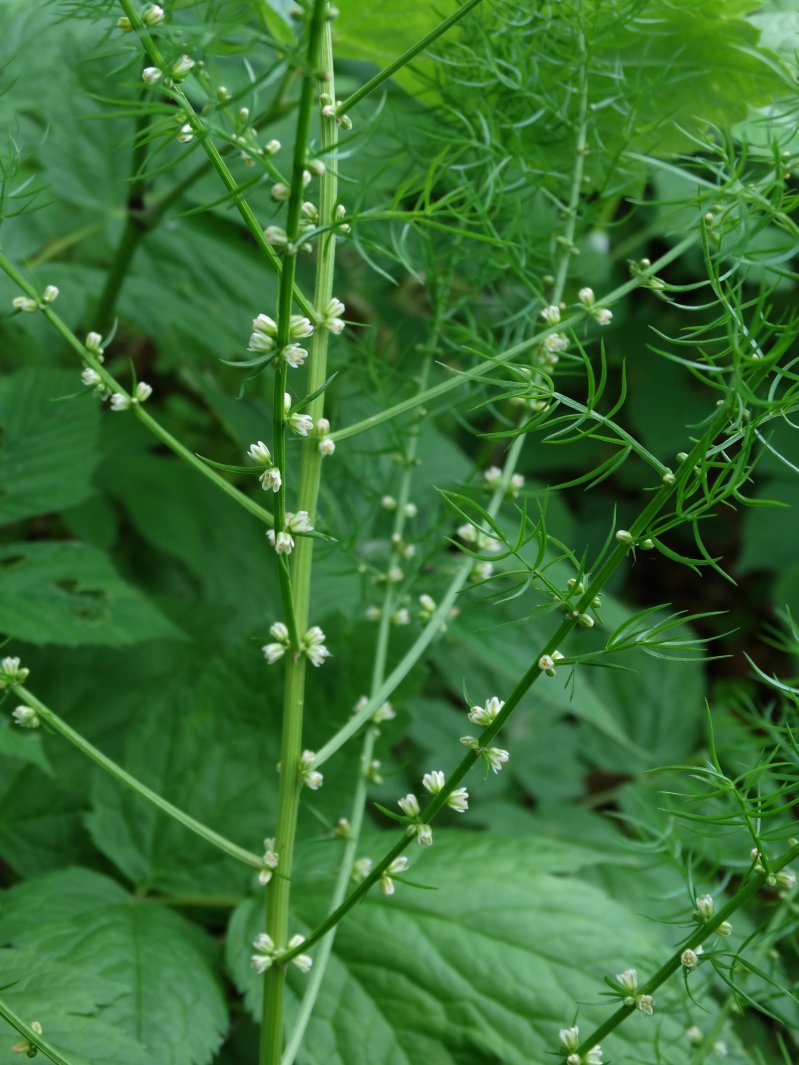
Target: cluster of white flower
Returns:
[485, 715]
[120, 401]
[26, 717]
[627, 983]
[12, 672]
[588, 301]
[309, 776]
[398, 865]
[270, 478]
[494, 757]
[705, 911]
[283, 540]
[493, 475]
[267, 954]
[329, 108]
[270, 861]
[570, 1041]
[29, 305]
[547, 663]
[312, 645]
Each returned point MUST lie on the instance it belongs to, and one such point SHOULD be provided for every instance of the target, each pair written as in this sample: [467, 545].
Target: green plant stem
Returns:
[214, 156]
[60, 726]
[485, 368]
[33, 1037]
[278, 897]
[358, 806]
[406, 57]
[144, 417]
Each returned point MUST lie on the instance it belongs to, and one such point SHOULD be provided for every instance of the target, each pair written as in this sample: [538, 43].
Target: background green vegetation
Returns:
[139, 595]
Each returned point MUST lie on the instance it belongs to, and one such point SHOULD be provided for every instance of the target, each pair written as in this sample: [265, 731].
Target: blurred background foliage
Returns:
[139, 595]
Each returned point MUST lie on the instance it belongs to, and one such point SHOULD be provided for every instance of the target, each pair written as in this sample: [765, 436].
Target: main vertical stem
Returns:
[279, 891]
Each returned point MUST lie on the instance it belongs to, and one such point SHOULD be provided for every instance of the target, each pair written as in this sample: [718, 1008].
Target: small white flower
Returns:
[458, 800]
[556, 342]
[142, 392]
[327, 445]
[724, 929]
[401, 616]
[26, 717]
[264, 325]
[271, 480]
[300, 326]
[182, 66]
[492, 476]
[323, 426]
[424, 834]
[624, 537]
[395, 575]
[428, 605]
[261, 343]
[271, 858]
[495, 758]
[280, 191]
[720, 1048]
[384, 712]
[646, 1004]
[628, 980]
[373, 613]
[294, 354]
[603, 316]
[484, 715]
[280, 631]
[481, 571]
[186, 133]
[313, 646]
[434, 781]
[260, 453]
[570, 1037]
[261, 962]
[594, 1056]
[516, 484]
[152, 14]
[361, 869]
[25, 303]
[411, 510]
[786, 879]
[705, 907]
[50, 294]
[272, 147]
[282, 542]
[409, 805]
[331, 319]
[586, 297]
[301, 424]
[265, 947]
[299, 522]
[690, 958]
[546, 663]
[274, 235]
[694, 1034]
[551, 314]
[93, 344]
[151, 75]
[119, 401]
[388, 503]
[90, 377]
[11, 672]
[273, 652]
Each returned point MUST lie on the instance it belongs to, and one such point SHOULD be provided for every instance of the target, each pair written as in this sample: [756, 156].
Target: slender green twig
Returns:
[155, 427]
[60, 726]
[319, 61]
[32, 1036]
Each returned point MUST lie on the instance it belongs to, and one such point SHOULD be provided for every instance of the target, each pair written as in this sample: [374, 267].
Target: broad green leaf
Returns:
[22, 744]
[69, 593]
[164, 996]
[486, 967]
[203, 742]
[48, 442]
